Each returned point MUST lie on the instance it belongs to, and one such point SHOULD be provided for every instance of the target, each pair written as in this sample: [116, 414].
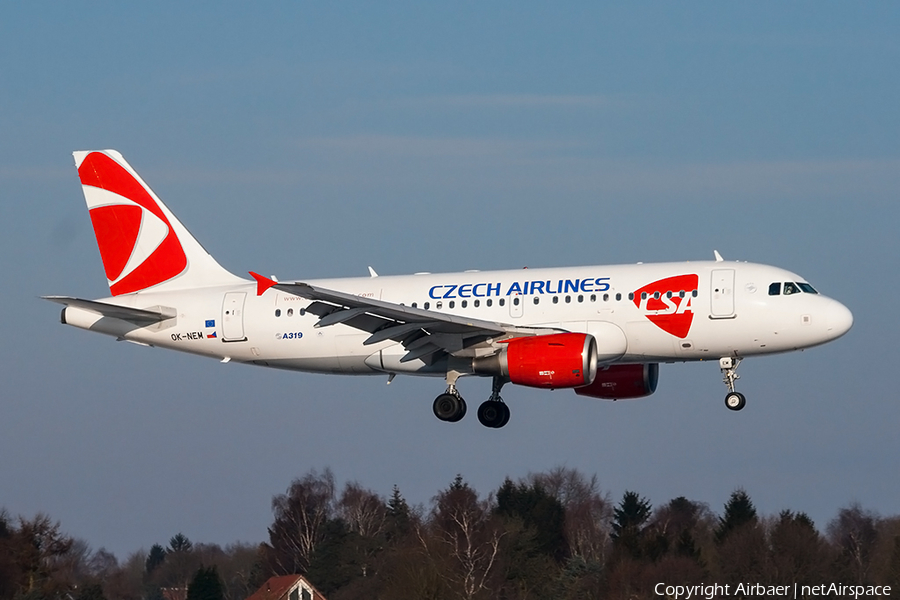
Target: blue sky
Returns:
[310, 140]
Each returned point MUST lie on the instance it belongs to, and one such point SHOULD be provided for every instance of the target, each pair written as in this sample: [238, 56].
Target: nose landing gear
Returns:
[728, 365]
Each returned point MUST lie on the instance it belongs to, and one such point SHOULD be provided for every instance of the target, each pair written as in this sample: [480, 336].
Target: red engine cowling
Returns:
[560, 360]
[620, 382]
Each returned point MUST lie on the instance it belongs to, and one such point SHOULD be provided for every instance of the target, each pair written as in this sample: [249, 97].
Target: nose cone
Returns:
[839, 319]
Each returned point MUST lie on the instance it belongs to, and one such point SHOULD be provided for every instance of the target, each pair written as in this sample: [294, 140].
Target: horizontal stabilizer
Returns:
[125, 313]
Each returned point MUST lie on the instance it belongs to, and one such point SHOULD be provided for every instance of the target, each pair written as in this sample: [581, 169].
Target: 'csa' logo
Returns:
[663, 303]
[137, 244]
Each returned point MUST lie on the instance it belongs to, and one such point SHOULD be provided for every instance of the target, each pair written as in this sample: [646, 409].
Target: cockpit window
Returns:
[775, 288]
[807, 288]
[790, 288]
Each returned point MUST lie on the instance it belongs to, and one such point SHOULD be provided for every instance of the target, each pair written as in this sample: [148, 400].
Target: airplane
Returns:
[599, 330]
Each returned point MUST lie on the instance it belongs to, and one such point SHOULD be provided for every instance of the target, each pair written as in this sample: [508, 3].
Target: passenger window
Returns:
[290, 312]
[489, 302]
[427, 305]
[502, 301]
[775, 288]
[605, 298]
[537, 300]
[451, 304]
[630, 296]
[790, 288]
[619, 296]
[465, 303]
[681, 294]
[656, 295]
[568, 299]
[302, 312]
[516, 301]
[555, 300]
[643, 295]
[694, 293]
[439, 305]
[414, 305]
[668, 294]
[580, 298]
[277, 312]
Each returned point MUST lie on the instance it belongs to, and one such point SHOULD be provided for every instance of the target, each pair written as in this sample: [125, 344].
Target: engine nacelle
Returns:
[621, 382]
[560, 360]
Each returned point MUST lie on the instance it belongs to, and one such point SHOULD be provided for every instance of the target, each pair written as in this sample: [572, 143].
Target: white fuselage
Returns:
[641, 313]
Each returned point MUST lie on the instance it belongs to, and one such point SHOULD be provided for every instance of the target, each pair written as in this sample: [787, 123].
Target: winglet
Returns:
[372, 272]
[262, 283]
[718, 256]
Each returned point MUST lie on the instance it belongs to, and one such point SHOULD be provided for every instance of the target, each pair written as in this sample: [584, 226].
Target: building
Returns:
[287, 587]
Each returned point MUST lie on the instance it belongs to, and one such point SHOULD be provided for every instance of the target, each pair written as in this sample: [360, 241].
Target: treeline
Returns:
[549, 535]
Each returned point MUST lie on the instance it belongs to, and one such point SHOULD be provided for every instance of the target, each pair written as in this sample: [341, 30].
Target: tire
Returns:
[505, 418]
[449, 407]
[493, 414]
[735, 400]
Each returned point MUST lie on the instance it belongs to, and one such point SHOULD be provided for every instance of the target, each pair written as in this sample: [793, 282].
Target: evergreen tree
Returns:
[739, 511]
[180, 543]
[206, 585]
[540, 513]
[336, 560]
[155, 558]
[628, 523]
[399, 519]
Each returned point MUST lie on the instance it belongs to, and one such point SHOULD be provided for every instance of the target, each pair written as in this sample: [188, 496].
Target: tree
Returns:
[206, 585]
[398, 517]
[854, 532]
[38, 542]
[465, 537]
[300, 515]
[540, 513]
[155, 558]
[797, 551]
[739, 511]
[588, 514]
[628, 523]
[180, 543]
[741, 541]
[674, 530]
[362, 510]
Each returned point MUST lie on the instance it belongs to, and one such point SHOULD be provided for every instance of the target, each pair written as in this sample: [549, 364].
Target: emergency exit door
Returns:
[233, 317]
[721, 305]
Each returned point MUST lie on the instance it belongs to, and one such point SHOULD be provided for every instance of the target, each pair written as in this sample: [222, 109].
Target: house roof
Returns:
[279, 588]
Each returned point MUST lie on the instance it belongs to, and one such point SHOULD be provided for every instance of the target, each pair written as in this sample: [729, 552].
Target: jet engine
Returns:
[560, 360]
[621, 382]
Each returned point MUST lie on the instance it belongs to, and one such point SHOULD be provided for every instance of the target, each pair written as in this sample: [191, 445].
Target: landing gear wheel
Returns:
[493, 413]
[505, 419]
[449, 407]
[735, 400]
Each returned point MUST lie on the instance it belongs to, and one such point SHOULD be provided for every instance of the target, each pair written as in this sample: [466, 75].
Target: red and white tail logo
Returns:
[668, 303]
[137, 243]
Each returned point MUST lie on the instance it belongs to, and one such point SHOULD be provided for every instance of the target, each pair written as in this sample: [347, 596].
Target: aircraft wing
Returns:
[138, 316]
[425, 334]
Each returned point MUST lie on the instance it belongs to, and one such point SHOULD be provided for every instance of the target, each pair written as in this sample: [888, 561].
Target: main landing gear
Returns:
[451, 407]
[493, 412]
[728, 365]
